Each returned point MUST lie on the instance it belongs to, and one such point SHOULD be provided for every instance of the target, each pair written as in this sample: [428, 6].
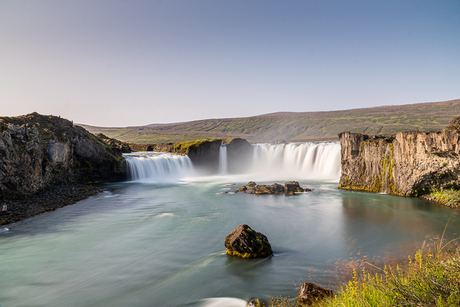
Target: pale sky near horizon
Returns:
[125, 63]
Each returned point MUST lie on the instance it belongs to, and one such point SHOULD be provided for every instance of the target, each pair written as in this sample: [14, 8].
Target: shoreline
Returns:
[48, 199]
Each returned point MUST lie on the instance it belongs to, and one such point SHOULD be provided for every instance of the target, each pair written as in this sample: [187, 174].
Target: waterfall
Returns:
[318, 160]
[223, 159]
[293, 161]
[158, 166]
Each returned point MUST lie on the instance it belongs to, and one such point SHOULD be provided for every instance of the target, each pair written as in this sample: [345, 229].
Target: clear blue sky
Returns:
[119, 63]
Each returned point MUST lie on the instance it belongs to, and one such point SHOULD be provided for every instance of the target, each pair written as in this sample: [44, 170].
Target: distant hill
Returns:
[296, 126]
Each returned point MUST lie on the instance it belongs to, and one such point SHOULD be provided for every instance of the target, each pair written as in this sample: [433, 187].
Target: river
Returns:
[158, 239]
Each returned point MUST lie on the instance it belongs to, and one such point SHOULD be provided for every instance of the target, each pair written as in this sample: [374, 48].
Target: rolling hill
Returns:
[296, 126]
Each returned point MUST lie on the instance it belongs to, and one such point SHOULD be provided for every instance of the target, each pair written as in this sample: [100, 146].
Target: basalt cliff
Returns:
[204, 153]
[405, 164]
[39, 151]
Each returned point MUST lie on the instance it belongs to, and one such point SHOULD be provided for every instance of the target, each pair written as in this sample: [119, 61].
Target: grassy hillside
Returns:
[295, 126]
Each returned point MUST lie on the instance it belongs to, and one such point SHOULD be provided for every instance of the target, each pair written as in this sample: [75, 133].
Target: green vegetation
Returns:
[426, 280]
[296, 126]
[447, 197]
[192, 144]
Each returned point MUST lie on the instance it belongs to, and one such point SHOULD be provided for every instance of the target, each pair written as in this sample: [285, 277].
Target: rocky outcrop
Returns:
[205, 156]
[245, 242]
[289, 188]
[310, 293]
[142, 147]
[239, 155]
[406, 164]
[122, 146]
[38, 151]
[205, 153]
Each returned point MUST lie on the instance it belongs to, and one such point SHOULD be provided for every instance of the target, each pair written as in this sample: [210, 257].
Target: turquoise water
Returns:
[151, 244]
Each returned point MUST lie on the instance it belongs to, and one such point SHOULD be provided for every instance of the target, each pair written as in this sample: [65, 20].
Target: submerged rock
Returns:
[245, 242]
[289, 188]
[310, 293]
[256, 302]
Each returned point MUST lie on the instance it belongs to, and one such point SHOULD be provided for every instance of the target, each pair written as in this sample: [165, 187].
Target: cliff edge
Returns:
[405, 164]
[38, 151]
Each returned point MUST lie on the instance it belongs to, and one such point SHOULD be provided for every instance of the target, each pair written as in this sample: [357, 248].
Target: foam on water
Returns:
[223, 302]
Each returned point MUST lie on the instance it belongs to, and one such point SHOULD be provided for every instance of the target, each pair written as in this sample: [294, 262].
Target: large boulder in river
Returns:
[245, 242]
[310, 293]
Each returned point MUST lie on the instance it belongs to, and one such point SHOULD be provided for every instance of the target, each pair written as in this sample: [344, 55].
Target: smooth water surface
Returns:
[152, 244]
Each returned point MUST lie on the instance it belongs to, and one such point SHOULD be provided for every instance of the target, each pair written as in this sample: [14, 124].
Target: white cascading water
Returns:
[291, 161]
[318, 160]
[158, 166]
[223, 159]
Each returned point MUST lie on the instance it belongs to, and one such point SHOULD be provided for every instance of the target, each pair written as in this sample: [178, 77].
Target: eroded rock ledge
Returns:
[405, 164]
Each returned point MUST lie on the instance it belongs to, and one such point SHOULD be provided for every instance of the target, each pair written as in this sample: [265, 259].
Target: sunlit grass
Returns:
[429, 279]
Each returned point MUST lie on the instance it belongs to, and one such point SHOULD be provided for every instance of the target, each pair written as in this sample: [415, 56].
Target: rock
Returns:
[116, 144]
[38, 151]
[405, 164]
[247, 243]
[289, 188]
[279, 141]
[454, 122]
[239, 156]
[292, 187]
[251, 184]
[205, 156]
[310, 293]
[242, 189]
[256, 302]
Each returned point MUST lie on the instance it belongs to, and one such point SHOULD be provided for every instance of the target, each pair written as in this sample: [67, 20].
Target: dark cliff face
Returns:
[205, 156]
[37, 151]
[239, 156]
[405, 164]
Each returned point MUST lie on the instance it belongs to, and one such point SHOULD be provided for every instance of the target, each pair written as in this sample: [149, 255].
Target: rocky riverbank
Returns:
[46, 163]
[45, 200]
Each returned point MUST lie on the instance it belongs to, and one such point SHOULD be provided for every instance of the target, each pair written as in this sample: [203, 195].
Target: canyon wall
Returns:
[38, 151]
[405, 164]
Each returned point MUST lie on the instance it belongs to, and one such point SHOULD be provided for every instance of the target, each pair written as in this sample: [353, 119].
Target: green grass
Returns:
[431, 279]
[192, 144]
[297, 126]
[447, 197]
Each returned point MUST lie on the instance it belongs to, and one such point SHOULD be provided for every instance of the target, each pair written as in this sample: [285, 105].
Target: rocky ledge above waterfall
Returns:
[405, 164]
[38, 151]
